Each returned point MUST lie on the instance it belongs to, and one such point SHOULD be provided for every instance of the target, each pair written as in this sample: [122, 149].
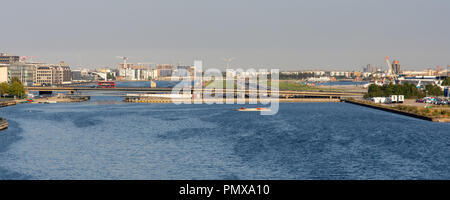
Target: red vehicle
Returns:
[106, 84]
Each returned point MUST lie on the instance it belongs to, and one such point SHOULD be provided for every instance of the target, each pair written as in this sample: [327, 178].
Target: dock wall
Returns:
[393, 110]
[3, 124]
[281, 100]
[7, 103]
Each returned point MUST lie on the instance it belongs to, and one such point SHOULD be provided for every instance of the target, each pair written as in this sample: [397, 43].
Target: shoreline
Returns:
[7, 103]
[397, 111]
[73, 99]
[281, 100]
[3, 124]
[4, 121]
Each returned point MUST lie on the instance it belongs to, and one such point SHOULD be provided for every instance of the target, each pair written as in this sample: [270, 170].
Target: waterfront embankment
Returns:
[3, 121]
[3, 124]
[65, 99]
[435, 115]
[247, 100]
[7, 103]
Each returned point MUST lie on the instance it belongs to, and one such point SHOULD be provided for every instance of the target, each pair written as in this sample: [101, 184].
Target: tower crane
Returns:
[125, 59]
[392, 74]
[228, 61]
[27, 58]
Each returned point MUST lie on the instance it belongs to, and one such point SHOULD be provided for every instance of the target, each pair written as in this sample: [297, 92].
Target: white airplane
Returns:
[376, 83]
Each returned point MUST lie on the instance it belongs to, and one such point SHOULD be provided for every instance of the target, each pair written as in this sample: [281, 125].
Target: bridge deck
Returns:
[140, 89]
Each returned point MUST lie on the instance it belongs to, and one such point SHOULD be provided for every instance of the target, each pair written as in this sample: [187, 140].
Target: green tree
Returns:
[446, 81]
[389, 89]
[110, 76]
[407, 89]
[375, 91]
[434, 90]
[4, 88]
[15, 79]
[17, 89]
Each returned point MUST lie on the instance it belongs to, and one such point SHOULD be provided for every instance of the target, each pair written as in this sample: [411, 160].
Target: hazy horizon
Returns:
[290, 35]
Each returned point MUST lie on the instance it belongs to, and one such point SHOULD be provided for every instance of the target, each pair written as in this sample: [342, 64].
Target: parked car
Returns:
[441, 102]
[429, 99]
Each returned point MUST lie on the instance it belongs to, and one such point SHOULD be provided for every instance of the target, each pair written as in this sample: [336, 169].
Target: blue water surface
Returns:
[107, 139]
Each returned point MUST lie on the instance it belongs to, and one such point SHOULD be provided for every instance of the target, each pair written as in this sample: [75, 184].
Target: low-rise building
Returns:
[23, 71]
[76, 75]
[8, 59]
[44, 75]
[164, 70]
[3, 73]
[52, 74]
[63, 73]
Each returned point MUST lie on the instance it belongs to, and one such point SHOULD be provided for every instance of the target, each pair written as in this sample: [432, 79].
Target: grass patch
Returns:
[283, 85]
[430, 112]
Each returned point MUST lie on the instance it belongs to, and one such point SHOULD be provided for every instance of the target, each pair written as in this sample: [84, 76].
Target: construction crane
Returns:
[228, 60]
[125, 59]
[29, 58]
[437, 73]
[389, 66]
[392, 74]
[146, 63]
[448, 66]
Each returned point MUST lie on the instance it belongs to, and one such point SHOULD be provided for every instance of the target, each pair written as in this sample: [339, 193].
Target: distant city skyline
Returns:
[289, 35]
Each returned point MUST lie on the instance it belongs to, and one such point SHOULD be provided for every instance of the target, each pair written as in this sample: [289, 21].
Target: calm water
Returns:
[98, 140]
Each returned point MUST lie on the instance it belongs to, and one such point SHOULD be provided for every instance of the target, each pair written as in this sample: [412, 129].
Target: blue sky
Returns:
[341, 34]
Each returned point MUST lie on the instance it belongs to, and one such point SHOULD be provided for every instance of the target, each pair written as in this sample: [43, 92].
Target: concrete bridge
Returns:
[77, 88]
[287, 94]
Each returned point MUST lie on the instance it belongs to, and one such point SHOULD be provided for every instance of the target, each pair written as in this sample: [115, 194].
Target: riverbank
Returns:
[3, 124]
[3, 121]
[4, 103]
[428, 114]
[65, 99]
[247, 100]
